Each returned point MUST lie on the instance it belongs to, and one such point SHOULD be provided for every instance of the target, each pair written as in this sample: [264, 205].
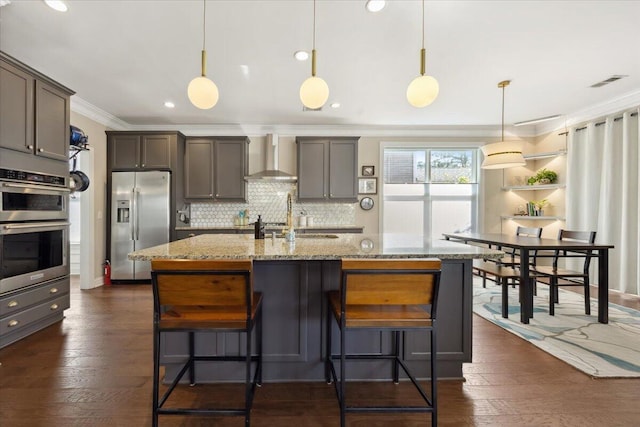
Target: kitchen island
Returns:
[293, 278]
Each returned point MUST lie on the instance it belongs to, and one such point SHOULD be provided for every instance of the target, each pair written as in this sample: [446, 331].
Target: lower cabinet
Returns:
[28, 310]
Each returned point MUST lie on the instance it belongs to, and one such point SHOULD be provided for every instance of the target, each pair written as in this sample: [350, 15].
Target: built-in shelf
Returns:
[547, 155]
[533, 218]
[532, 187]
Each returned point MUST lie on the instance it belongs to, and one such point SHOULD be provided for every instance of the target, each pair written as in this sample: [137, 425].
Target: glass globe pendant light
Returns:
[423, 90]
[202, 92]
[314, 91]
[503, 154]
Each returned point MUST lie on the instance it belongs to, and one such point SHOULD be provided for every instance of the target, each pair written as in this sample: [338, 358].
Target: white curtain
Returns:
[603, 189]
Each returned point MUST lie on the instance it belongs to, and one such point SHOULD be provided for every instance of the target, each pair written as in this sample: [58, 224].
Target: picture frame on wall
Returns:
[367, 185]
[368, 170]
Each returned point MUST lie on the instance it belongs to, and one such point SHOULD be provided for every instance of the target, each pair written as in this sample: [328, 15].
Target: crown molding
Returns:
[80, 106]
[614, 106]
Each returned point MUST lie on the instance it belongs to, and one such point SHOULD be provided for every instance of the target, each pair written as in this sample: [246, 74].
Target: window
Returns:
[428, 191]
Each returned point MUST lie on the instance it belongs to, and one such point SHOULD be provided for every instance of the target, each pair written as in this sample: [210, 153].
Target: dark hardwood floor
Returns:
[94, 369]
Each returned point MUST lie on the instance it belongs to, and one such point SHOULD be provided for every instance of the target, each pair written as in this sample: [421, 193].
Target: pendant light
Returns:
[503, 154]
[314, 91]
[423, 90]
[202, 92]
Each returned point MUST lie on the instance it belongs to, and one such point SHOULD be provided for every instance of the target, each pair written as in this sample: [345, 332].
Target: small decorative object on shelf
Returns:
[536, 207]
[544, 177]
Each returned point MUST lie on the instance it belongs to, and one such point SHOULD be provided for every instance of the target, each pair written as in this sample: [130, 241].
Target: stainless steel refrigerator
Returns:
[139, 219]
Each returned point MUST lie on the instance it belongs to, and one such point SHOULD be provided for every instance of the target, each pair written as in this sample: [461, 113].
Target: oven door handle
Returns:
[39, 189]
[35, 225]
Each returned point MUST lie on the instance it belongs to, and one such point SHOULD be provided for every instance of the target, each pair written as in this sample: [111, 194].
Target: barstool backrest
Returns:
[391, 281]
[186, 282]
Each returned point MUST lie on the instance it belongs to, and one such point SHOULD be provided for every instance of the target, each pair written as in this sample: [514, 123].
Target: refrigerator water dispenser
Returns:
[123, 211]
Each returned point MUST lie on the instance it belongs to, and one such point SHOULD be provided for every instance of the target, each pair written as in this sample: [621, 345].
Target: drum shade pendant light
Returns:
[503, 154]
[423, 90]
[314, 91]
[202, 92]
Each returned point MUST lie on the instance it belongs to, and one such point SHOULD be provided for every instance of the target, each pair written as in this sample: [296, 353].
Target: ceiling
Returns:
[129, 57]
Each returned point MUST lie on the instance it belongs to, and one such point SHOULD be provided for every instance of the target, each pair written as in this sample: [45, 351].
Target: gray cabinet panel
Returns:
[16, 108]
[52, 122]
[327, 168]
[215, 168]
[198, 169]
[343, 166]
[125, 151]
[312, 169]
[34, 112]
[229, 170]
[155, 151]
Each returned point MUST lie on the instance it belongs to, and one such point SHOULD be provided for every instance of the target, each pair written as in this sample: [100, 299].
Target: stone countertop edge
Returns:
[237, 246]
[251, 227]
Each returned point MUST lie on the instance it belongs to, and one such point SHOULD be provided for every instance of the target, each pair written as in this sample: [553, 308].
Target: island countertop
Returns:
[312, 247]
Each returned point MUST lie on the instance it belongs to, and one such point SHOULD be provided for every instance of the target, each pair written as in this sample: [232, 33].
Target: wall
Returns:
[92, 202]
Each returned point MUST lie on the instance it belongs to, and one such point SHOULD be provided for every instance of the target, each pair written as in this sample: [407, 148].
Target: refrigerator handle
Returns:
[136, 197]
[132, 225]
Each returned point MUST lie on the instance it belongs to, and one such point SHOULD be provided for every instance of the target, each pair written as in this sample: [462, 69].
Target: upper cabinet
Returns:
[129, 151]
[327, 168]
[34, 112]
[215, 168]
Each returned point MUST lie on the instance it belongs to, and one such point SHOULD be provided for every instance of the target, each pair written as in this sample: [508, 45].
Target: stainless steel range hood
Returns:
[271, 171]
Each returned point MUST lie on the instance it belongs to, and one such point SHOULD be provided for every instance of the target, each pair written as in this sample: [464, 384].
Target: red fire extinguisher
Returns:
[107, 273]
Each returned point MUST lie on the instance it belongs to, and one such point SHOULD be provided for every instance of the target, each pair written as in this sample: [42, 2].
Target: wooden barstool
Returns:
[205, 296]
[384, 294]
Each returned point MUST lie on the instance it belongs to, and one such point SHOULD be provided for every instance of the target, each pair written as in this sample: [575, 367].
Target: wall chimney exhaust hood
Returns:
[271, 171]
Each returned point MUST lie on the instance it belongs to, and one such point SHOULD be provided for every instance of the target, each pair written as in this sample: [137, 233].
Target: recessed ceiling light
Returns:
[335, 105]
[301, 55]
[375, 5]
[169, 104]
[56, 5]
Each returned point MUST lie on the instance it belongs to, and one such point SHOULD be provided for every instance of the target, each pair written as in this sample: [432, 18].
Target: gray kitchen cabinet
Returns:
[140, 151]
[34, 111]
[327, 168]
[215, 168]
[30, 309]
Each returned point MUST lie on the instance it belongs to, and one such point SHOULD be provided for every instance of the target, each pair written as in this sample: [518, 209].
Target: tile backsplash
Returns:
[269, 199]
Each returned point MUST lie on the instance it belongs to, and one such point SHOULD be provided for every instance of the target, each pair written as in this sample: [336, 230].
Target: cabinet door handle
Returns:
[53, 290]
[54, 306]
[12, 304]
[13, 323]
[217, 195]
[143, 165]
[40, 150]
[30, 147]
[210, 195]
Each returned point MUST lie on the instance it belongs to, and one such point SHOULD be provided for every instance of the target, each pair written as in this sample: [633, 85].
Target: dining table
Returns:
[526, 246]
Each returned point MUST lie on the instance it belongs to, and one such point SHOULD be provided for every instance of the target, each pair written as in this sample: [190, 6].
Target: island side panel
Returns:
[294, 313]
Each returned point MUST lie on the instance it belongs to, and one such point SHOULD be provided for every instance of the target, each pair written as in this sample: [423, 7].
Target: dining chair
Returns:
[555, 276]
[395, 295]
[206, 296]
[513, 257]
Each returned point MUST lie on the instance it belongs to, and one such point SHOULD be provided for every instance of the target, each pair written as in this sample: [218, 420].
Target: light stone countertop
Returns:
[270, 227]
[233, 246]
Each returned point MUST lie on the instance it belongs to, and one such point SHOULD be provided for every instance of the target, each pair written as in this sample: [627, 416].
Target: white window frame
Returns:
[426, 197]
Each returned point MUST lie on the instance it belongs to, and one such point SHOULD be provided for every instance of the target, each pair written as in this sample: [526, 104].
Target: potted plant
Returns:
[546, 176]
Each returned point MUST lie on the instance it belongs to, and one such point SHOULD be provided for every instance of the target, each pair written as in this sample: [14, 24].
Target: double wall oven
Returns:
[34, 231]
[34, 252]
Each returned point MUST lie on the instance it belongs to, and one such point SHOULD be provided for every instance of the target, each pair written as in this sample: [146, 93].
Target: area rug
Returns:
[600, 350]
